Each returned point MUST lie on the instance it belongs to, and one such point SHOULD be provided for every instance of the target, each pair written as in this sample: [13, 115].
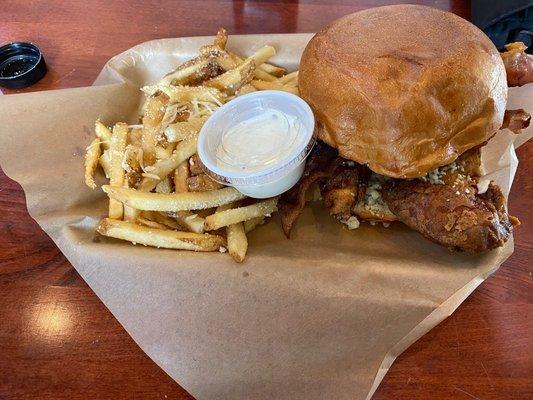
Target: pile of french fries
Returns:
[158, 193]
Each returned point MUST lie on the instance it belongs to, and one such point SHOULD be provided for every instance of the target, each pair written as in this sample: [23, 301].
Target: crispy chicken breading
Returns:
[345, 186]
[444, 206]
[456, 217]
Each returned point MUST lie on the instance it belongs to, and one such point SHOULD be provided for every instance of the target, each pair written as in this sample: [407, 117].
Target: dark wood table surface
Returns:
[58, 341]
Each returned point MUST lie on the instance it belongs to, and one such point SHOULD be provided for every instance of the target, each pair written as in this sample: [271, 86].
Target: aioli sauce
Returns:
[259, 142]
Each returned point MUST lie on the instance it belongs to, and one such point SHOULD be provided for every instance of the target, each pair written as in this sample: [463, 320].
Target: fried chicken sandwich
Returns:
[404, 98]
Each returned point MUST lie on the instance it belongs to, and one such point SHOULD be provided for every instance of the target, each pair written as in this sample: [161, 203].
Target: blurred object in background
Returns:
[505, 21]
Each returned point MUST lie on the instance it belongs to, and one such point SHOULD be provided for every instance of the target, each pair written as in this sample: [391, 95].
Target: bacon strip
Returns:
[518, 64]
[516, 120]
[292, 203]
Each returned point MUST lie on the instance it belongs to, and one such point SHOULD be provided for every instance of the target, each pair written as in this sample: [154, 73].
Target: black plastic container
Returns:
[21, 65]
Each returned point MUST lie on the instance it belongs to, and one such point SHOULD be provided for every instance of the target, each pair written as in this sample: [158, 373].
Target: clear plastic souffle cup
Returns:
[258, 142]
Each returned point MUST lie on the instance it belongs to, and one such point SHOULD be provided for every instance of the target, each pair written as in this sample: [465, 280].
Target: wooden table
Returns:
[58, 341]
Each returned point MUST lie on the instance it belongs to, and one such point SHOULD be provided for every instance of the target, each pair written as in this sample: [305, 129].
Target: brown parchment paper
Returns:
[320, 316]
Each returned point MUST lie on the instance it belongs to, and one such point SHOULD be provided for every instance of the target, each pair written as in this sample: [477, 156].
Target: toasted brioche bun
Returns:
[404, 89]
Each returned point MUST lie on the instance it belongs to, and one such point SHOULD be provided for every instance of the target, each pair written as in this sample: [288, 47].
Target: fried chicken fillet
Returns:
[446, 206]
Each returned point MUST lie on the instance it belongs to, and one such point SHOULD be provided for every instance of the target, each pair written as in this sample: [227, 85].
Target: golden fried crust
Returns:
[344, 188]
[457, 218]
[404, 89]
[470, 162]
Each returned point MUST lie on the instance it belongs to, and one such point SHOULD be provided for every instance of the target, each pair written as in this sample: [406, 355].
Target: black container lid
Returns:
[21, 65]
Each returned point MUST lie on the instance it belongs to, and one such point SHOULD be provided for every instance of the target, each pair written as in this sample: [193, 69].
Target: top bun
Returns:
[404, 89]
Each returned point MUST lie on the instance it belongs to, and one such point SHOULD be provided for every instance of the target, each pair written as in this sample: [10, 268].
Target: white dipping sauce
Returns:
[259, 142]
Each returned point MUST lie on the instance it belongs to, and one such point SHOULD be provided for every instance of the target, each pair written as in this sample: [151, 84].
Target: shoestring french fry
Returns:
[105, 163]
[181, 174]
[158, 193]
[161, 169]
[240, 214]
[165, 238]
[265, 76]
[130, 214]
[187, 219]
[183, 129]
[178, 220]
[292, 83]
[181, 94]
[219, 56]
[186, 72]
[103, 133]
[293, 76]
[266, 67]
[164, 219]
[235, 237]
[237, 241]
[131, 165]
[262, 85]
[272, 69]
[153, 115]
[245, 90]
[149, 223]
[234, 79]
[190, 221]
[221, 39]
[263, 55]
[165, 151]
[116, 173]
[149, 201]
[251, 224]
[92, 157]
